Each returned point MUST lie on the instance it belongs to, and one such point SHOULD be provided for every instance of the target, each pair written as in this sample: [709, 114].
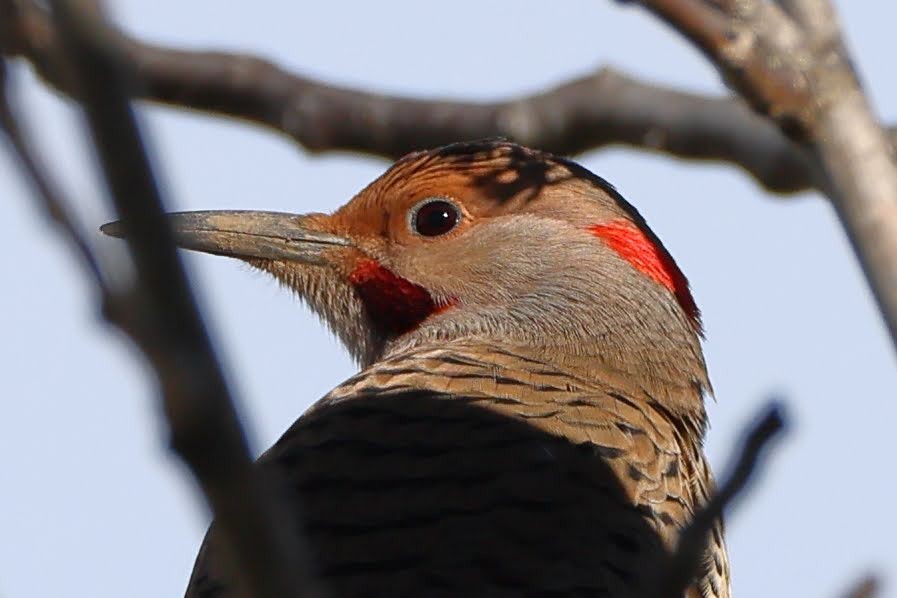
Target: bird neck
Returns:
[665, 362]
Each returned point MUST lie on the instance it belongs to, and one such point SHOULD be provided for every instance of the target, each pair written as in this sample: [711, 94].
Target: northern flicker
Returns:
[529, 415]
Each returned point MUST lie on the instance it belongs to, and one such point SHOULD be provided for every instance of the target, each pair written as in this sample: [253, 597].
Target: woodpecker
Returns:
[528, 418]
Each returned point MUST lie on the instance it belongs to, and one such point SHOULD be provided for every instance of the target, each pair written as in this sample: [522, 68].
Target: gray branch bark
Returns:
[597, 110]
[791, 63]
[159, 314]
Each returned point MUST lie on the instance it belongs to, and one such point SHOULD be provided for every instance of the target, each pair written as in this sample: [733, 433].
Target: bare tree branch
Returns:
[161, 317]
[682, 566]
[856, 154]
[774, 88]
[601, 109]
[817, 17]
[47, 193]
[867, 587]
[799, 74]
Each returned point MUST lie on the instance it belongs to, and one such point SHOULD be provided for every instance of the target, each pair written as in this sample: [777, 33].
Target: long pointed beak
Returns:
[247, 234]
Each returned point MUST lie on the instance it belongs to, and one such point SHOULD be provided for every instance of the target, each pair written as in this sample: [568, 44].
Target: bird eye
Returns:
[435, 217]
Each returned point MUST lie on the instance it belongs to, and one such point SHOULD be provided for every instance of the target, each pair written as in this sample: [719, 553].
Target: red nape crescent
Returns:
[646, 256]
[395, 305]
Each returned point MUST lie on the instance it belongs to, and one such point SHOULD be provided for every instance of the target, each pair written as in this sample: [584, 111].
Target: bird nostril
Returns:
[435, 217]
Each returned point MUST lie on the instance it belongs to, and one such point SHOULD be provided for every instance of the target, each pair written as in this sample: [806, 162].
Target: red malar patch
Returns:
[649, 258]
[395, 305]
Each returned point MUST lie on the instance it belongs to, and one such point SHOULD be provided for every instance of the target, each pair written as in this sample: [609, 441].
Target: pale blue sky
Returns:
[93, 505]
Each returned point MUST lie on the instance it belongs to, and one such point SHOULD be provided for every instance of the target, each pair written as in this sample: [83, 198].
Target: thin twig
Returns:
[264, 553]
[867, 587]
[682, 566]
[54, 206]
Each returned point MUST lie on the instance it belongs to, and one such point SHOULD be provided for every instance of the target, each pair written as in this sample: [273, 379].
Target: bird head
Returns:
[486, 240]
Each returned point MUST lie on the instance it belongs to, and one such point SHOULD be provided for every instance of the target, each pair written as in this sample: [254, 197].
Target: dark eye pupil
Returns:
[436, 218]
